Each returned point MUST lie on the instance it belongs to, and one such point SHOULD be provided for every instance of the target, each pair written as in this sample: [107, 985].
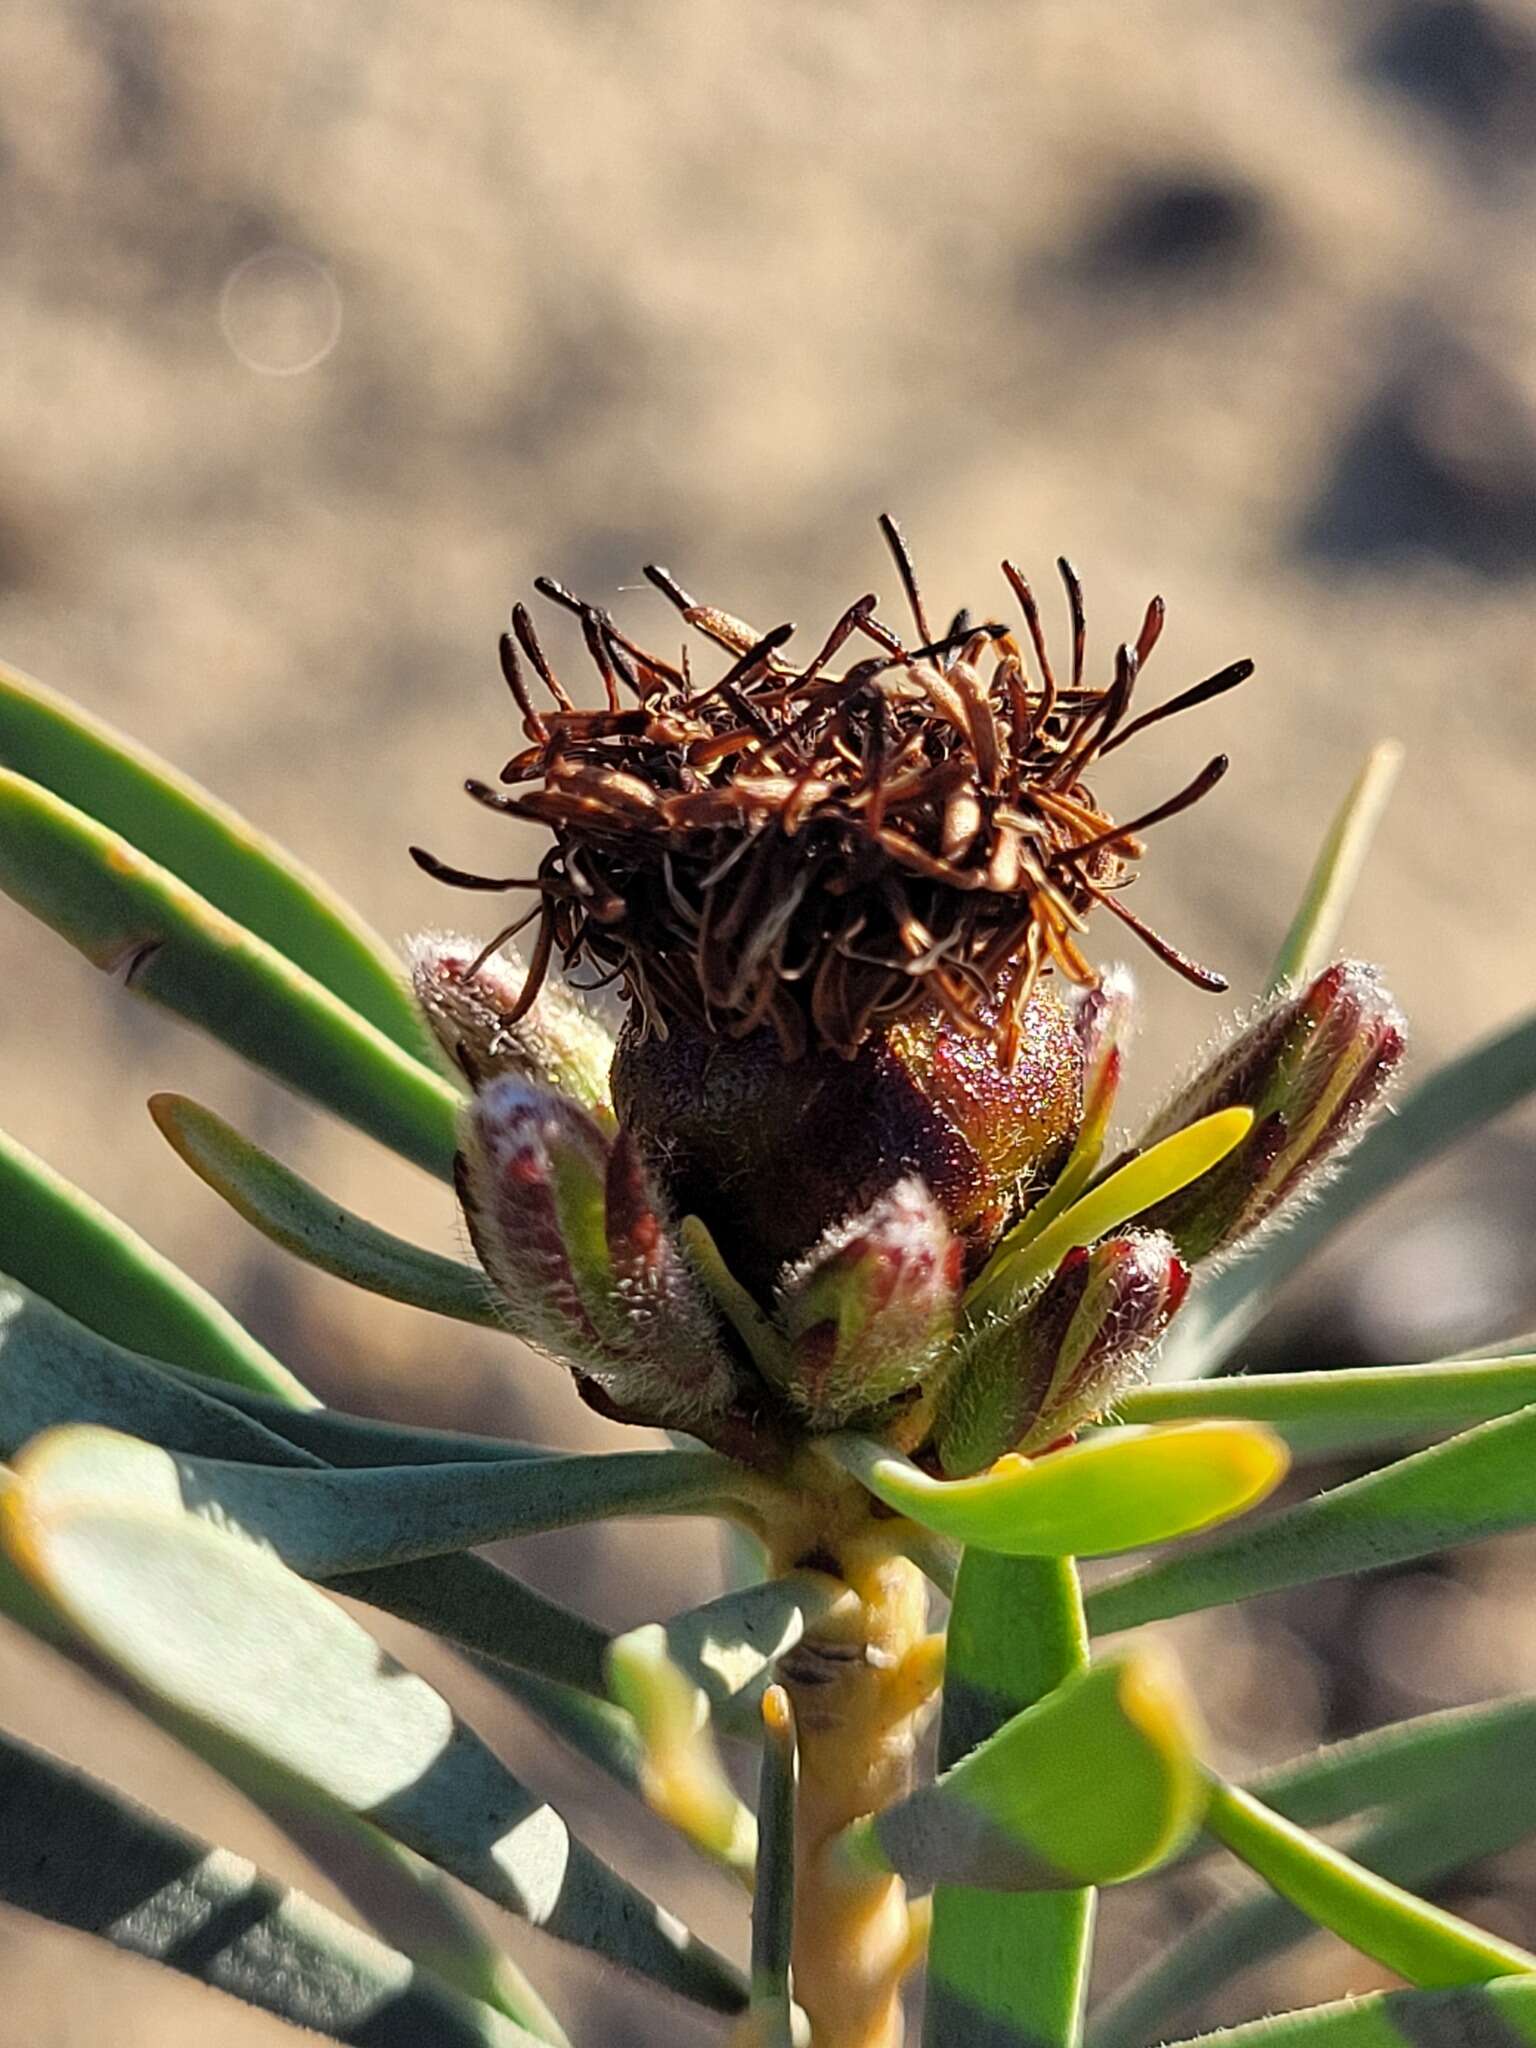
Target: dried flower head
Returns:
[825, 852]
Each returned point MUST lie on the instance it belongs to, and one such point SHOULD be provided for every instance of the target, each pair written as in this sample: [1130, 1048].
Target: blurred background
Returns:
[326, 329]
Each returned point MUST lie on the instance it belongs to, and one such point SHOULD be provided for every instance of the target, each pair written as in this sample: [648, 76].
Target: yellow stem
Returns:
[857, 1708]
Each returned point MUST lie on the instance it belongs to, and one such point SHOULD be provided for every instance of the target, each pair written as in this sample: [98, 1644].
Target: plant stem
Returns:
[856, 1704]
[1007, 1968]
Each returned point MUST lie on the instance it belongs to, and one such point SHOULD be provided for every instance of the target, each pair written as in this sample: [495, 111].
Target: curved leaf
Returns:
[325, 1522]
[1322, 1413]
[298, 1217]
[83, 1855]
[1094, 1785]
[1417, 1846]
[681, 1775]
[1419, 1941]
[131, 917]
[283, 1689]
[1119, 1490]
[56, 1240]
[1479, 1484]
[56, 744]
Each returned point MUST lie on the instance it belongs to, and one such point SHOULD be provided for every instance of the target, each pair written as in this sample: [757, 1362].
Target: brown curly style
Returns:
[823, 852]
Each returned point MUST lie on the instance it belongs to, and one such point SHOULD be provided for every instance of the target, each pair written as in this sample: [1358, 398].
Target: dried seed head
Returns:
[819, 853]
[568, 1228]
[1314, 1068]
[870, 1314]
[1031, 1378]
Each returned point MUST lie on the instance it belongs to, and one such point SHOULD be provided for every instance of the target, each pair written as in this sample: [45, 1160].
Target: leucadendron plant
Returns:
[839, 1208]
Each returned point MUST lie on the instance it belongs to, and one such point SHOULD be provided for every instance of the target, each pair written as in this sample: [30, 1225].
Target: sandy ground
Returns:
[326, 329]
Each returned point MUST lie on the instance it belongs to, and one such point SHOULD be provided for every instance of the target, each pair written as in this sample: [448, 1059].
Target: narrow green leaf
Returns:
[299, 1218]
[1323, 1413]
[1007, 1968]
[1308, 945]
[1416, 1847]
[1095, 1784]
[1419, 1941]
[479, 1607]
[57, 1241]
[56, 744]
[1452, 1103]
[54, 1371]
[1117, 1491]
[1431, 1755]
[325, 1522]
[415, 1908]
[773, 1903]
[337, 1438]
[1497, 2015]
[1475, 1485]
[131, 917]
[1024, 1259]
[83, 1855]
[281, 1688]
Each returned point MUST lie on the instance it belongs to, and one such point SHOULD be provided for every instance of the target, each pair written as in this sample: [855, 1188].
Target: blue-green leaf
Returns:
[81, 1854]
[279, 1686]
[326, 1522]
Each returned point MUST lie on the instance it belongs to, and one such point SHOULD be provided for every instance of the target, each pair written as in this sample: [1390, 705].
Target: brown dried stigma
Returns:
[822, 852]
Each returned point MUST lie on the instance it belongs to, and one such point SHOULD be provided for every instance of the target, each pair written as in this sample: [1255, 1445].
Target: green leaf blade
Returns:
[278, 1686]
[56, 744]
[66, 1247]
[1418, 1845]
[1094, 1784]
[82, 1855]
[54, 1372]
[298, 1218]
[1010, 1968]
[1323, 1413]
[1424, 1943]
[1498, 2015]
[1119, 1490]
[1479, 1484]
[129, 916]
[330, 1522]
[1308, 945]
